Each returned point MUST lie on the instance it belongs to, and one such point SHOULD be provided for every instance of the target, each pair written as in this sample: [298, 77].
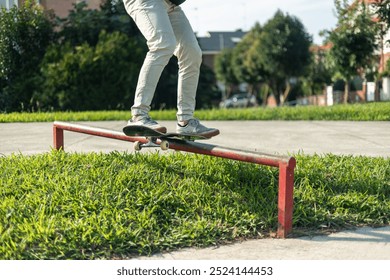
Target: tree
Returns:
[224, 71]
[82, 25]
[383, 10]
[255, 72]
[247, 64]
[285, 52]
[25, 33]
[317, 74]
[353, 42]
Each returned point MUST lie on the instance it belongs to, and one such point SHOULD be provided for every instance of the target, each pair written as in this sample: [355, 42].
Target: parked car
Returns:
[240, 100]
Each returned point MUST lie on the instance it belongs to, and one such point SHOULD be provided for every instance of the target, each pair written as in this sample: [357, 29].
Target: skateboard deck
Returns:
[153, 135]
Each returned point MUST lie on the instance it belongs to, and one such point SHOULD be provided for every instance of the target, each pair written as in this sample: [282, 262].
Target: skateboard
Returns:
[152, 136]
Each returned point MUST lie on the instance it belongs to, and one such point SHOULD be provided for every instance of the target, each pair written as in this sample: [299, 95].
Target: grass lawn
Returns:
[356, 112]
[102, 206]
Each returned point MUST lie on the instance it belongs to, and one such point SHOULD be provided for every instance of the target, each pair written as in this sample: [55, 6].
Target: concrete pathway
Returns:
[275, 137]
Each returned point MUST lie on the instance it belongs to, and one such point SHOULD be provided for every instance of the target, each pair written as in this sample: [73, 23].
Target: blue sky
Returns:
[230, 15]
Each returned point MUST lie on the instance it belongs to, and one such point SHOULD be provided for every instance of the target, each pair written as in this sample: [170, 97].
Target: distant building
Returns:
[60, 7]
[8, 4]
[214, 42]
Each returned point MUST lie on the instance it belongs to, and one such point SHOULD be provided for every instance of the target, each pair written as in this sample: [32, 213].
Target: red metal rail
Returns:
[285, 164]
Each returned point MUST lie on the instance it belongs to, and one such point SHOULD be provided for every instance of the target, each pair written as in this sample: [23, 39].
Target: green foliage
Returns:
[104, 206]
[254, 59]
[285, 47]
[247, 61]
[25, 33]
[82, 25]
[263, 58]
[285, 44]
[317, 74]
[240, 71]
[87, 77]
[224, 71]
[353, 41]
[383, 11]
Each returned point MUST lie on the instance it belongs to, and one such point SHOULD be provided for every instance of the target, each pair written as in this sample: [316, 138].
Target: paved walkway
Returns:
[362, 244]
[278, 137]
[275, 137]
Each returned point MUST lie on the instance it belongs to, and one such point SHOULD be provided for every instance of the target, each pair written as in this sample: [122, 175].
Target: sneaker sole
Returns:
[207, 135]
[210, 134]
[161, 129]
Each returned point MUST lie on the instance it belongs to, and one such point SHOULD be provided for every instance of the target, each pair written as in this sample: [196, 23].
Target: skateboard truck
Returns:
[152, 143]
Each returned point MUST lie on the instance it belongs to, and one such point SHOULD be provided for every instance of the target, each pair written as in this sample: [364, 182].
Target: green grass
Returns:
[356, 112]
[89, 206]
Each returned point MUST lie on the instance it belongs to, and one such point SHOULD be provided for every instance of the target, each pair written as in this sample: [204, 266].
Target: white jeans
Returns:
[168, 32]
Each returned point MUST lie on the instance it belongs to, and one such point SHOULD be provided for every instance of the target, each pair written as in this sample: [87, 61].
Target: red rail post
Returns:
[58, 137]
[285, 164]
[286, 197]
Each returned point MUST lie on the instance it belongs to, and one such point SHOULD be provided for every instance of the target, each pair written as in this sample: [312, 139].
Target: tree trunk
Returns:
[265, 95]
[251, 89]
[346, 92]
[276, 92]
[286, 92]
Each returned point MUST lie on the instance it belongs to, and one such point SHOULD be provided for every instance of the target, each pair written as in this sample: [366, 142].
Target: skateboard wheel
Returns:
[137, 146]
[164, 145]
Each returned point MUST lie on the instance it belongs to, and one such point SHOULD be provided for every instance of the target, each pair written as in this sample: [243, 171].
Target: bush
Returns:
[91, 78]
[25, 33]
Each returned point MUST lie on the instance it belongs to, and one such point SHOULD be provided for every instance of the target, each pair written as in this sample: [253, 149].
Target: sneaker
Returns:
[148, 122]
[194, 127]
